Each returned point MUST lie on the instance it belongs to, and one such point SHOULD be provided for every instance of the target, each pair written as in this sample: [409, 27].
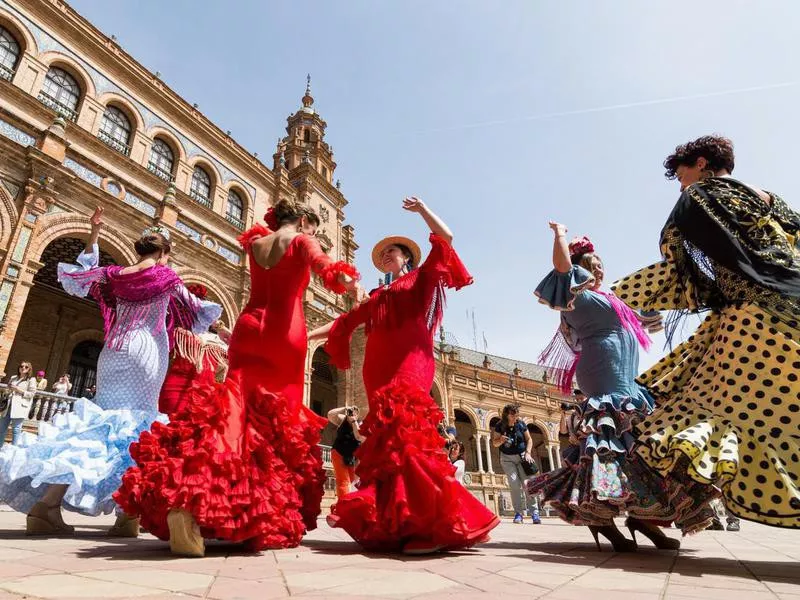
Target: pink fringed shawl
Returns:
[127, 300]
[562, 354]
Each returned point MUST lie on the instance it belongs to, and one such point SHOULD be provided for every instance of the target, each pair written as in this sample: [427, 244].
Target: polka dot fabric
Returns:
[728, 401]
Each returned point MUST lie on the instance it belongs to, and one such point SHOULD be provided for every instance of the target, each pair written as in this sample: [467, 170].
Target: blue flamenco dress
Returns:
[87, 449]
[603, 478]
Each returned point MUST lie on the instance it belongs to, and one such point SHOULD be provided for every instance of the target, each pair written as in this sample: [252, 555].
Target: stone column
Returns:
[478, 437]
[488, 439]
[18, 267]
[54, 364]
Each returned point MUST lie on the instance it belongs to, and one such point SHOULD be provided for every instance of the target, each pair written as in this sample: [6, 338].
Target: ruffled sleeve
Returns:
[77, 280]
[338, 344]
[559, 290]
[445, 265]
[251, 235]
[327, 269]
[187, 311]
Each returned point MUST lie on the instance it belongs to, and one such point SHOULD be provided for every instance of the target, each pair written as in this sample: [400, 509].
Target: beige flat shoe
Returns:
[125, 526]
[46, 520]
[184, 534]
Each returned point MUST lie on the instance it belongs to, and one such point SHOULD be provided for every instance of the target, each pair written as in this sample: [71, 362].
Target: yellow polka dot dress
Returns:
[728, 399]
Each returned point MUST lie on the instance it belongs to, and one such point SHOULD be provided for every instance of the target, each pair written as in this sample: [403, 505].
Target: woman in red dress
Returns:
[240, 461]
[408, 498]
[194, 356]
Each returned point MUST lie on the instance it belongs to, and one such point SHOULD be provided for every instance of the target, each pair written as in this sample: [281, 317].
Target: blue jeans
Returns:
[16, 428]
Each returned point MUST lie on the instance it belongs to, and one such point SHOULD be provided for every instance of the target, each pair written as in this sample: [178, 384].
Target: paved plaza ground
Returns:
[552, 561]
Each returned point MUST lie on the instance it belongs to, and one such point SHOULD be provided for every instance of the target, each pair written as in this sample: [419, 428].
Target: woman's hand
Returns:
[97, 218]
[558, 229]
[527, 457]
[414, 204]
[96, 222]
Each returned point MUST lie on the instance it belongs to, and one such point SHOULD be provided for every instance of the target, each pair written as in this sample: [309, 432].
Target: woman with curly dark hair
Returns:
[728, 397]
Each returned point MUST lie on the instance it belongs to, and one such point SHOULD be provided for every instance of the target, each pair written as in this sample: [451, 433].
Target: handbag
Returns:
[529, 468]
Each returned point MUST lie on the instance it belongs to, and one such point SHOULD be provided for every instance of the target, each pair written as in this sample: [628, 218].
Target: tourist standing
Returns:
[63, 386]
[512, 438]
[41, 381]
[23, 388]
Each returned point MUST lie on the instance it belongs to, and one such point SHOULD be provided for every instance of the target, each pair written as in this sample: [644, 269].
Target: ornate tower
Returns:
[304, 166]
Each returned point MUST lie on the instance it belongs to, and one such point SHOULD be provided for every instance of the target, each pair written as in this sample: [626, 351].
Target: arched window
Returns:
[161, 159]
[9, 54]
[201, 187]
[115, 130]
[235, 212]
[61, 93]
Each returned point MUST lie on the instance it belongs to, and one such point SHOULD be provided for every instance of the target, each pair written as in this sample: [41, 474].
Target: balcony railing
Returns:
[6, 73]
[112, 142]
[62, 109]
[45, 405]
[202, 200]
[238, 223]
[163, 174]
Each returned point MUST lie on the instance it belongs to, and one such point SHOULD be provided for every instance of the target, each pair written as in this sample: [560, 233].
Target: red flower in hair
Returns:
[581, 245]
[271, 220]
[198, 290]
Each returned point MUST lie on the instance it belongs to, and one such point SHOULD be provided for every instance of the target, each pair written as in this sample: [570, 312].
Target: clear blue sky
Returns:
[499, 115]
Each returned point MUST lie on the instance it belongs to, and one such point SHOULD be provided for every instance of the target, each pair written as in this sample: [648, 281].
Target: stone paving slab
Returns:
[552, 561]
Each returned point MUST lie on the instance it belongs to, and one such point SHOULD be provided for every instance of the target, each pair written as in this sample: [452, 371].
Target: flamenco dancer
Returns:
[408, 498]
[240, 460]
[194, 356]
[78, 461]
[598, 341]
[728, 397]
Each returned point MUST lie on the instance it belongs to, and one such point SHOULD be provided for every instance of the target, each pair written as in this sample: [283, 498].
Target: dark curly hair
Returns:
[290, 212]
[716, 149]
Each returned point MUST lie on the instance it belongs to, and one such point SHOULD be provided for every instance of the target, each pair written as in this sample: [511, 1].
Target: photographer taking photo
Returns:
[514, 440]
[348, 439]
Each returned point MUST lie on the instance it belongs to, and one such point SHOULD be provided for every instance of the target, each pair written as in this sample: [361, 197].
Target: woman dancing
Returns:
[78, 461]
[408, 498]
[599, 341]
[240, 461]
[194, 356]
[728, 397]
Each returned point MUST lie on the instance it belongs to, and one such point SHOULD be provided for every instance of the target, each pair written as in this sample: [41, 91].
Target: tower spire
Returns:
[308, 99]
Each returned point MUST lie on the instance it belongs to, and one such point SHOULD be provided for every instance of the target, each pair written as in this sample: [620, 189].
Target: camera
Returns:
[350, 412]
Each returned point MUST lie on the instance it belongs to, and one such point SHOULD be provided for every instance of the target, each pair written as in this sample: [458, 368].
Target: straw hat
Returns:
[395, 240]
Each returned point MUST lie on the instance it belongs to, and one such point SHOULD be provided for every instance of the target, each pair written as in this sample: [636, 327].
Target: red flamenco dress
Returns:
[408, 496]
[194, 356]
[242, 456]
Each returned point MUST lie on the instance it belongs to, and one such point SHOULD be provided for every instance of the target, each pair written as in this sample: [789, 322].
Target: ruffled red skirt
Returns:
[180, 376]
[407, 491]
[247, 467]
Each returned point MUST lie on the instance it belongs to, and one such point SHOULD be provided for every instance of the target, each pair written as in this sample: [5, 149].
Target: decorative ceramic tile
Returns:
[17, 135]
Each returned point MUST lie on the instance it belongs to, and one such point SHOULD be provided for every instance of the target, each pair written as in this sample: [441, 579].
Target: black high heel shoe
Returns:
[618, 541]
[653, 533]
